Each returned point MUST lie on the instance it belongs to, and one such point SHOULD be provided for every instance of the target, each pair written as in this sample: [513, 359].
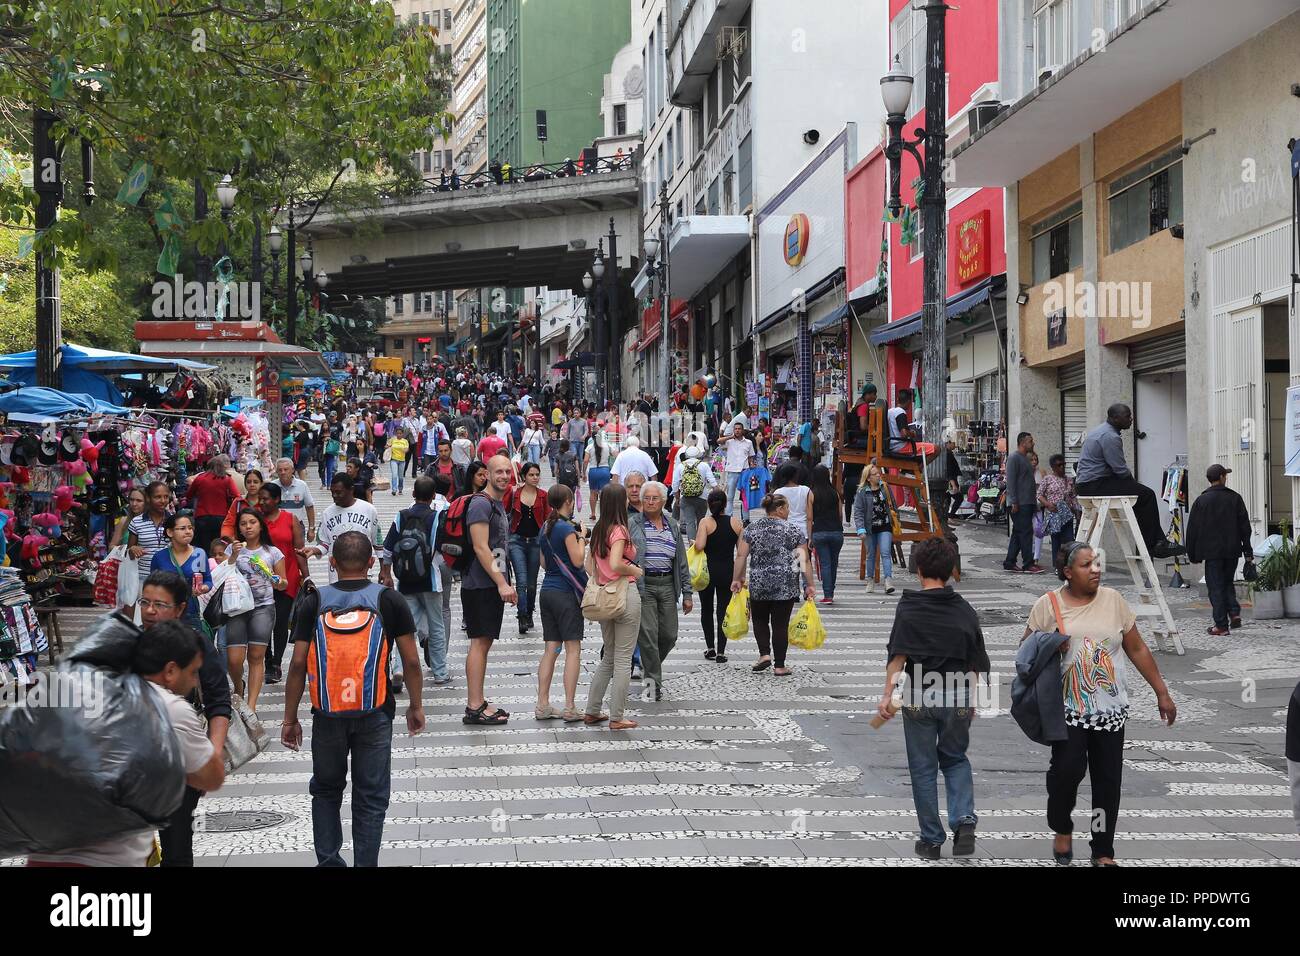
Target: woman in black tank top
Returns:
[827, 529]
[717, 537]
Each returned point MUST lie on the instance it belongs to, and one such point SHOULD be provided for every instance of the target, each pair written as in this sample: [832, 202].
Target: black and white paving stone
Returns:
[736, 768]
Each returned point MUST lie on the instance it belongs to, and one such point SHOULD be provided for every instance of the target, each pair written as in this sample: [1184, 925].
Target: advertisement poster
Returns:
[1292, 469]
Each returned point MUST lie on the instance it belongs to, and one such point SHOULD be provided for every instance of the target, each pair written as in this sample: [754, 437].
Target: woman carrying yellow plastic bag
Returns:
[736, 624]
[698, 565]
[806, 630]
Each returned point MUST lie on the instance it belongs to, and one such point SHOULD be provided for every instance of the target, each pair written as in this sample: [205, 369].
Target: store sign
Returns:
[797, 232]
[273, 395]
[972, 242]
[1056, 329]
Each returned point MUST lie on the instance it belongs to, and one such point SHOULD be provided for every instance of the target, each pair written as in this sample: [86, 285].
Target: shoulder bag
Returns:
[603, 602]
[562, 565]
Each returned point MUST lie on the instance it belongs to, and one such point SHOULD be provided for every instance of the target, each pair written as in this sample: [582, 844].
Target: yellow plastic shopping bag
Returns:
[736, 624]
[806, 630]
[699, 568]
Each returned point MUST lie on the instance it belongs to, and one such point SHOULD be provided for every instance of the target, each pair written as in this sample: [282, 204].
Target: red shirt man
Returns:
[489, 445]
[212, 491]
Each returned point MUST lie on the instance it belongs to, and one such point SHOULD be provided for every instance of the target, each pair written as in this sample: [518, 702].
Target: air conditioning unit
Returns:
[981, 114]
[731, 42]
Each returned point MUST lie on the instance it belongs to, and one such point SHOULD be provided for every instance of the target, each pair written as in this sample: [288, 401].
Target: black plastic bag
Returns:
[102, 764]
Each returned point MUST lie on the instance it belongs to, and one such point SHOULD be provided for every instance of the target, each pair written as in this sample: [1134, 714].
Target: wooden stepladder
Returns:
[1118, 509]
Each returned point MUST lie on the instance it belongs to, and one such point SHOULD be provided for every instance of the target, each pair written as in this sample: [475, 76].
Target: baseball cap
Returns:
[1215, 472]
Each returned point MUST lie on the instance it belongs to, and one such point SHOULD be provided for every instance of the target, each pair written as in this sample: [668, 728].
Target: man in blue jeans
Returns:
[352, 698]
[937, 647]
[424, 596]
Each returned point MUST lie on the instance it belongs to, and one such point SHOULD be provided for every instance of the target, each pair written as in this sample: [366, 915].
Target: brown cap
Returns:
[1216, 472]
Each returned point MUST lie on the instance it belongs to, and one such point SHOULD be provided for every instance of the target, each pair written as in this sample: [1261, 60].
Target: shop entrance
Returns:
[1160, 418]
[1277, 377]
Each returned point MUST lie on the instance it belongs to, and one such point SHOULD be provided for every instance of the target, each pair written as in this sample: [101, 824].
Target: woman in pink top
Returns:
[613, 554]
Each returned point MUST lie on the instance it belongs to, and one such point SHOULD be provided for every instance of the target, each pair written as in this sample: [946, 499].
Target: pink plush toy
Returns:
[90, 453]
[63, 496]
[10, 533]
[6, 489]
[21, 474]
[78, 474]
[49, 524]
[32, 548]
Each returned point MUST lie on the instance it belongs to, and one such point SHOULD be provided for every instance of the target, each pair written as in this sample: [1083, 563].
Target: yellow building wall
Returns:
[1152, 272]
[1033, 326]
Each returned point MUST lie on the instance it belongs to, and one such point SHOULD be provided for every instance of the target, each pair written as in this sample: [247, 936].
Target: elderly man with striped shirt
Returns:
[661, 552]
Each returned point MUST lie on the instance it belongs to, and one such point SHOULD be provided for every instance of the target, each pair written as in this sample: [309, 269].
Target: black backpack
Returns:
[568, 471]
[413, 552]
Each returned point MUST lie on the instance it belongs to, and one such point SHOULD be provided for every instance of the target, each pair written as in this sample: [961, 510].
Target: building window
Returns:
[681, 140]
[1056, 244]
[711, 101]
[662, 175]
[697, 126]
[1119, 11]
[446, 19]
[428, 301]
[907, 39]
[416, 304]
[428, 161]
[916, 249]
[620, 119]
[1147, 200]
[713, 196]
[399, 304]
[425, 19]
[399, 344]
[661, 74]
[745, 169]
[1051, 37]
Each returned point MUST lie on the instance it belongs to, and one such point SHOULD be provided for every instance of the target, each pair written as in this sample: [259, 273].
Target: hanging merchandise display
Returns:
[64, 484]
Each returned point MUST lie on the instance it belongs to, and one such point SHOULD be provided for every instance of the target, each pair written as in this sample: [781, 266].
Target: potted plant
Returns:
[1265, 591]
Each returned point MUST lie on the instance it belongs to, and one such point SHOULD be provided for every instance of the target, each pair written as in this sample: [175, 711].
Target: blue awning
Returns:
[43, 404]
[958, 304]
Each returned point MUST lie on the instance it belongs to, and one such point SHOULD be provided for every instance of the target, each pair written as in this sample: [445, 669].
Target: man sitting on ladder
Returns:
[1103, 472]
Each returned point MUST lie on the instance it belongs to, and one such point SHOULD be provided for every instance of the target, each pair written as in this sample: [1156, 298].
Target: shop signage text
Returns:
[973, 248]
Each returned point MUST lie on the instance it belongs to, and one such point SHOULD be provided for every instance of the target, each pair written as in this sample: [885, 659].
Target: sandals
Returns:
[710, 654]
[622, 724]
[571, 715]
[720, 659]
[546, 713]
[782, 672]
[761, 666]
[477, 715]
[594, 718]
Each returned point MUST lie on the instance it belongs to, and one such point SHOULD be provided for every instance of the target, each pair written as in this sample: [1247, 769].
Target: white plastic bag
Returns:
[219, 575]
[238, 596]
[128, 581]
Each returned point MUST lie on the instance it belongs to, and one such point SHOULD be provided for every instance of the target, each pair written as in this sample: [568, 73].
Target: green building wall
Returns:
[549, 55]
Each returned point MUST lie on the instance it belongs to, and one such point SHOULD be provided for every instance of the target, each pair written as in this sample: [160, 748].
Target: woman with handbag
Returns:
[1100, 636]
[560, 599]
[189, 562]
[145, 536]
[717, 536]
[248, 634]
[526, 505]
[612, 598]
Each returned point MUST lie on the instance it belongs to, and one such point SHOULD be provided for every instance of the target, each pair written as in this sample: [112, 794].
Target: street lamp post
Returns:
[614, 382]
[657, 268]
[896, 90]
[601, 329]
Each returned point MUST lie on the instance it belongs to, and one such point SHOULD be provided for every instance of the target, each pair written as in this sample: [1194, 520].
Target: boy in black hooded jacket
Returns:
[937, 645]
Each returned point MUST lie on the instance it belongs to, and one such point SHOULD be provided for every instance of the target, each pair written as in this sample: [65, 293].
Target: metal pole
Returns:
[202, 264]
[934, 359]
[291, 282]
[612, 311]
[665, 325]
[600, 336]
[47, 179]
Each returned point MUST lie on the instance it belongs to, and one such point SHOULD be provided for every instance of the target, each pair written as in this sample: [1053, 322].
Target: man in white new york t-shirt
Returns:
[739, 452]
[348, 513]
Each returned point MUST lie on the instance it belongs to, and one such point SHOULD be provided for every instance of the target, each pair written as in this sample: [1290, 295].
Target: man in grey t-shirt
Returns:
[1022, 497]
[485, 588]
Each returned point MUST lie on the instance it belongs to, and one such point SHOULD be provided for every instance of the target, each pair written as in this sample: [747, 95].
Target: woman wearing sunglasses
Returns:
[1099, 639]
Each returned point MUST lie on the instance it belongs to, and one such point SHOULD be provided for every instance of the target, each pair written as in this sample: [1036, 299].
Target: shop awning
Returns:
[291, 357]
[576, 361]
[822, 287]
[37, 404]
[458, 344]
[700, 247]
[958, 304]
[103, 361]
[495, 337]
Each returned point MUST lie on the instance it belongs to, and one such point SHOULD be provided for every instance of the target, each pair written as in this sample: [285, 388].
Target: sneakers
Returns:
[927, 851]
[889, 585]
[1033, 569]
[963, 840]
[1235, 623]
[273, 674]
[826, 600]
[871, 586]
[1012, 568]
[441, 681]
[1164, 548]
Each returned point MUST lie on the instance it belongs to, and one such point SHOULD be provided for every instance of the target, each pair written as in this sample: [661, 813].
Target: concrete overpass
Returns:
[517, 234]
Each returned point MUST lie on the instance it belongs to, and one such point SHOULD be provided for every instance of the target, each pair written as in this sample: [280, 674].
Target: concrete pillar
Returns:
[1106, 370]
[1033, 400]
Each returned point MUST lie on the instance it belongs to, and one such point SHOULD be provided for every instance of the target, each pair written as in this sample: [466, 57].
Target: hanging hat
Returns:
[6, 453]
[49, 452]
[70, 446]
[26, 450]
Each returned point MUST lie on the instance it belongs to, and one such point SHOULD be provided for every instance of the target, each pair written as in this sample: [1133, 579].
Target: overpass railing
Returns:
[497, 174]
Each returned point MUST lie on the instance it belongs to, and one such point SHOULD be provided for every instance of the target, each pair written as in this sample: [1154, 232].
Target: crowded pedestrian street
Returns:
[733, 767]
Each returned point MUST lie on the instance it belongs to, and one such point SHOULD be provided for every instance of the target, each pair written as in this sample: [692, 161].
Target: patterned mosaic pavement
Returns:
[740, 768]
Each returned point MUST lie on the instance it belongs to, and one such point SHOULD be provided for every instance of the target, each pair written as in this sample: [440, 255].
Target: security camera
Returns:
[811, 137]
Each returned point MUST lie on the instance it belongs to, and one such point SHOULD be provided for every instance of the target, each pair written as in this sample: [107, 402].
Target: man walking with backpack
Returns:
[408, 558]
[343, 638]
[693, 479]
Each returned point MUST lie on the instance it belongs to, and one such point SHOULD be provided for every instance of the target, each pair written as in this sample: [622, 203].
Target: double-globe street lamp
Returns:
[928, 149]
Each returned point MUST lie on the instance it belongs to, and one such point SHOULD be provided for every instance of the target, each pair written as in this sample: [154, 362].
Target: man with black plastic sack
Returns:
[1218, 533]
[168, 659]
[163, 597]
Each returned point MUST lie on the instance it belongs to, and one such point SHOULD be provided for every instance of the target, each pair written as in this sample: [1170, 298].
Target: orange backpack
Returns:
[348, 664]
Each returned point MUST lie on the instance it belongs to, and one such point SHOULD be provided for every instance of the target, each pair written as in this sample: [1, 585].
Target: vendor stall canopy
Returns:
[85, 366]
[35, 404]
